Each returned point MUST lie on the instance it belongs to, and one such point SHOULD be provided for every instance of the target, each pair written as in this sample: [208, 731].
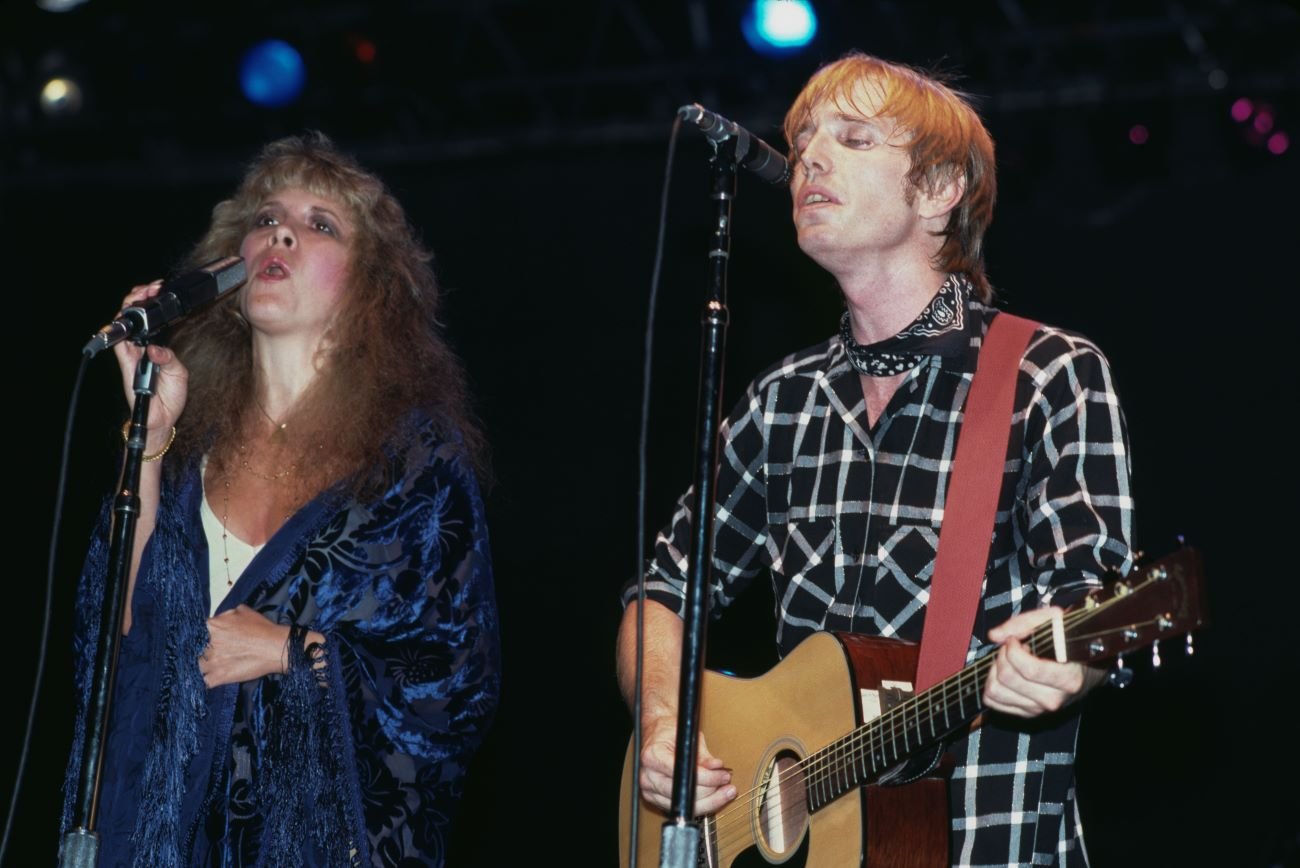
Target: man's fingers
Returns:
[713, 787]
[658, 790]
[711, 802]
[1024, 685]
[1021, 625]
[712, 778]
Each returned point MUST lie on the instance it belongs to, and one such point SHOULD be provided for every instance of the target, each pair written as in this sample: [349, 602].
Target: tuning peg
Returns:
[1121, 676]
[1155, 654]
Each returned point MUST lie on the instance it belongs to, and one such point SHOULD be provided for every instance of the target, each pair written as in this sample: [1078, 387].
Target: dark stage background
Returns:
[527, 143]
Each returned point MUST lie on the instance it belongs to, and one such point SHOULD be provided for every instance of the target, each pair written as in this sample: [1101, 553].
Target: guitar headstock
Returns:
[1155, 601]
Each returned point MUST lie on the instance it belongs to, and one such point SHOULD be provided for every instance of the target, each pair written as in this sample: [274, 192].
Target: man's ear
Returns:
[941, 192]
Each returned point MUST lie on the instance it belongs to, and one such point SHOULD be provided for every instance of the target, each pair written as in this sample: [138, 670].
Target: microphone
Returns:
[751, 152]
[175, 299]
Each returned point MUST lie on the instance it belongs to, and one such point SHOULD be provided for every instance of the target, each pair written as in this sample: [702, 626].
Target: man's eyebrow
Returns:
[843, 117]
[856, 118]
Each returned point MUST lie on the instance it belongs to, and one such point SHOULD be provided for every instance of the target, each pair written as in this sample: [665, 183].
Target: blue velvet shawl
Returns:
[366, 769]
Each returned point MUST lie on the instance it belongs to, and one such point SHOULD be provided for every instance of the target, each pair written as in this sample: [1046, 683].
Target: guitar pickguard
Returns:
[889, 694]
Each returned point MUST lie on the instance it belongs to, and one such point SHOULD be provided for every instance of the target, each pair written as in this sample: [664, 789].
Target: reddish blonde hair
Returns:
[945, 137]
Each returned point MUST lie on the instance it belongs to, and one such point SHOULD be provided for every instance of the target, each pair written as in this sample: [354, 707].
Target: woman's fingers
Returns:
[172, 378]
[141, 292]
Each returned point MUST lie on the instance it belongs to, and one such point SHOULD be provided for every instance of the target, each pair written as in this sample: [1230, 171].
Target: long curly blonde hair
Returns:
[385, 354]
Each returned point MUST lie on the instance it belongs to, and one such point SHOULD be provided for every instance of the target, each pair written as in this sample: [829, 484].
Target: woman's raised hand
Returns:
[172, 381]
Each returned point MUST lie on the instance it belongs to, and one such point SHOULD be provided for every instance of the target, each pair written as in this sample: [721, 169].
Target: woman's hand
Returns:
[243, 645]
[171, 384]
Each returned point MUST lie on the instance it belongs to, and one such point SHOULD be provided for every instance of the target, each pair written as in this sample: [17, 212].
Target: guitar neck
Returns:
[1164, 600]
[900, 733]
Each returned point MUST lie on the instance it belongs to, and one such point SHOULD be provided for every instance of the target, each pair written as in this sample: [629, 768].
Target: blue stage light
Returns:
[272, 73]
[778, 27]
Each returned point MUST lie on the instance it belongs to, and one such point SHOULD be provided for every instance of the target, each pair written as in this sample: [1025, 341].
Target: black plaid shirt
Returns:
[846, 522]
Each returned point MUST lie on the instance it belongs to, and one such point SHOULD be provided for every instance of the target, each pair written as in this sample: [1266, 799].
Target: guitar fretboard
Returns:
[903, 731]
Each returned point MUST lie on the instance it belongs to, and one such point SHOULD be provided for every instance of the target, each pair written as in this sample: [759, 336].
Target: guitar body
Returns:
[760, 726]
[810, 742]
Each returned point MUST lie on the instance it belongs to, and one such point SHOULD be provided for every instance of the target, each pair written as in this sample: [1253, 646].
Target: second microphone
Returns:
[752, 152]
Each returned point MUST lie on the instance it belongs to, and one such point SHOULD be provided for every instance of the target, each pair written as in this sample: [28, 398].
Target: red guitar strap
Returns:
[972, 501]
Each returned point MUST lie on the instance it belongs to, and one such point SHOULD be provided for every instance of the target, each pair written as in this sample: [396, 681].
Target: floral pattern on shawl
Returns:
[368, 768]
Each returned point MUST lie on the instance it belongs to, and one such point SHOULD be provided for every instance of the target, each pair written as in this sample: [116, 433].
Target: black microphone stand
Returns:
[680, 840]
[80, 845]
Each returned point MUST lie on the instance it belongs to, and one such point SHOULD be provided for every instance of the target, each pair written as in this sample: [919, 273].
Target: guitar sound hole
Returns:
[783, 806]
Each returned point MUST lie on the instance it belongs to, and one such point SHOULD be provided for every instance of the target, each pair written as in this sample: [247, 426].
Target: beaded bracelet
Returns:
[313, 655]
[126, 427]
[318, 658]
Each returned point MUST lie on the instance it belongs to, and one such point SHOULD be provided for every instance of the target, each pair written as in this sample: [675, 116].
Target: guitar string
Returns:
[896, 719]
[820, 760]
[816, 764]
[732, 823]
[839, 757]
[730, 820]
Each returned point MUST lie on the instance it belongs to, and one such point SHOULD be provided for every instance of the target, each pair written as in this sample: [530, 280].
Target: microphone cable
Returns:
[49, 595]
[634, 799]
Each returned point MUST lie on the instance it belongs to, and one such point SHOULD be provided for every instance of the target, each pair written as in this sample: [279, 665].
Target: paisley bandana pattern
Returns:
[939, 330]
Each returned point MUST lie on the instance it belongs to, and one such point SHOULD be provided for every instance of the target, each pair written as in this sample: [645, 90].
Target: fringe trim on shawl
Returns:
[301, 786]
[182, 700]
[90, 598]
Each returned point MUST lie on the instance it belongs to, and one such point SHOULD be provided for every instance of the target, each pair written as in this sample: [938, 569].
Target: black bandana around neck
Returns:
[939, 330]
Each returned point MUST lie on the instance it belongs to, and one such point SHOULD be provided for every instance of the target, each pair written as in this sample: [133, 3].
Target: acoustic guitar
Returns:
[832, 744]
